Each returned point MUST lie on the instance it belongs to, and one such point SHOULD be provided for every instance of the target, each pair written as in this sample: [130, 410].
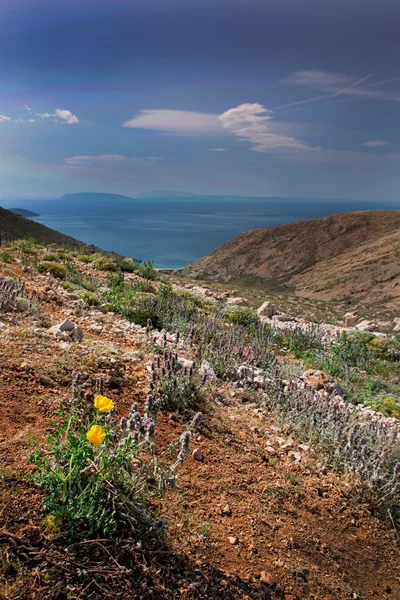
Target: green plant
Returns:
[58, 271]
[104, 263]
[178, 387]
[7, 257]
[240, 315]
[51, 257]
[128, 264]
[98, 473]
[89, 298]
[146, 269]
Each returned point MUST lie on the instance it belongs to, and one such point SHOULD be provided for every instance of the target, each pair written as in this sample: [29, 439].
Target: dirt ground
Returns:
[259, 517]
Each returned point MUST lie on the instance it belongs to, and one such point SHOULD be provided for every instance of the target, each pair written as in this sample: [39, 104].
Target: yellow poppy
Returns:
[103, 404]
[96, 435]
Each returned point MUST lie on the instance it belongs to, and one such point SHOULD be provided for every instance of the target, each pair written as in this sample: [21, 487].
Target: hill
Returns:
[352, 254]
[16, 226]
[23, 212]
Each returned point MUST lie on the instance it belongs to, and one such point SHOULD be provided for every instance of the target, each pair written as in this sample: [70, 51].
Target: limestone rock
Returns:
[267, 310]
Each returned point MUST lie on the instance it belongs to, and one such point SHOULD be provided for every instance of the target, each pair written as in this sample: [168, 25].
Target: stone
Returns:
[317, 379]
[267, 310]
[233, 540]
[197, 454]
[267, 578]
[351, 319]
[207, 371]
[367, 326]
[295, 456]
[270, 450]
[67, 329]
[227, 511]
[238, 302]
[96, 328]
[67, 325]
[396, 324]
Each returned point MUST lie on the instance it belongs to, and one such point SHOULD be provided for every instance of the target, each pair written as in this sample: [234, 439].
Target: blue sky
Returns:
[296, 98]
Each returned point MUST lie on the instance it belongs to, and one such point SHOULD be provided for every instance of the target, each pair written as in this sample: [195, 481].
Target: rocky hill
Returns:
[352, 255]
[17, 227]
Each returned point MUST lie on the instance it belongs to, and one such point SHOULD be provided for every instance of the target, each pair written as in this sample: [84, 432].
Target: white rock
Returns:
[207, 370]
[267, 310]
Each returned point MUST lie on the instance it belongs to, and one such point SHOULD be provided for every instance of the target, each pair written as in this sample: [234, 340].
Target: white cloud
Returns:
[375, 144]
[249, 122]
[19, 120]
[100, 160]
[67, 116]
[28, 108]
[32, 120]
[175, 121]
[4, 118]
[216, 149]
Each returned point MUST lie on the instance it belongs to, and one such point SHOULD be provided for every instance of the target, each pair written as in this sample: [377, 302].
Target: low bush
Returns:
[146, 269]
[57, 270]
[7, 257]
[51, 257]
[89, 298]
[104, 263]
[240, 315]
[128, 264]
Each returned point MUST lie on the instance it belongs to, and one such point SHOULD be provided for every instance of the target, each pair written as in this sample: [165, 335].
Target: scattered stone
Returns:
[238, 302]
[267, 310]
[207, 371]
[295, 456]
[351, 319]
[267, 578]
[304, 447]
[197, 454]
[96, 328]
[317, 379]
[233, 540]
[227, 511]
[67, 329]
[270, 450]
[367, 326]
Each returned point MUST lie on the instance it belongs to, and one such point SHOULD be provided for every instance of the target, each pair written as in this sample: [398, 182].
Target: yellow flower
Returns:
[96, 435]
[103, 404]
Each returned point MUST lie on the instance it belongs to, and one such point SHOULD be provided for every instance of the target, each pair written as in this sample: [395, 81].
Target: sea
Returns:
[176, 231]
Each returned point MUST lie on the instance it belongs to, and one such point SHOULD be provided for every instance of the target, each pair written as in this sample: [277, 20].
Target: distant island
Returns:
[22, 212]
[199, 212]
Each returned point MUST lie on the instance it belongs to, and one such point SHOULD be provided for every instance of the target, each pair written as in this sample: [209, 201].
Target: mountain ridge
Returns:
[344, 255]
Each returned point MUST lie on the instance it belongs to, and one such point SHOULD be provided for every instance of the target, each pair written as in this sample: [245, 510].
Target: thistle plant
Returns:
[175, 386]
[99, 471]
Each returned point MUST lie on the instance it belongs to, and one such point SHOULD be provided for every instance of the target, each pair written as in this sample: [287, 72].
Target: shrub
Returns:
[240, 315]
[7, 257]
[141, 317]
[146, 269]
[89, 298]
[58, 271]
[128, 264]
[104, 263]
[51, 257]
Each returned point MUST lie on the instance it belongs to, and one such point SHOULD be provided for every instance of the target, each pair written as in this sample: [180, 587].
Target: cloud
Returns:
[375, 144]
[31, 120]
[175, 121]
[61, 115]
[249, 122]
[28, 108]
[335, 84]
[4, 118]
[67, 116]
[100, 160]
[216, 150]
[19, 121]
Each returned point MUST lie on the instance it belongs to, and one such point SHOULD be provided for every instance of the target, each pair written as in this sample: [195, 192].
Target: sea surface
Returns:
[176, 231]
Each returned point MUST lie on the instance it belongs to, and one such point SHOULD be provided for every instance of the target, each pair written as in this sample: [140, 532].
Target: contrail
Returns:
[351, 86]
[327, 95]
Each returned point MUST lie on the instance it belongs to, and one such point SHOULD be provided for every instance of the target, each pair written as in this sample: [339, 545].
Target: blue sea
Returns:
[176, 231]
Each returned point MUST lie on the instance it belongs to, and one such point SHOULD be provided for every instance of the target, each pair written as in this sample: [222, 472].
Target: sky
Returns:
[295, 98]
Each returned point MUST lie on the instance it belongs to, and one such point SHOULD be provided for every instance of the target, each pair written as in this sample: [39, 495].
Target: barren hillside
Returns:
[352, 254]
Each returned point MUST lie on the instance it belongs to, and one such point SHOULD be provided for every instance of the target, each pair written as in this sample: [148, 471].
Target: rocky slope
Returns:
[352, 255]
[259, 517]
